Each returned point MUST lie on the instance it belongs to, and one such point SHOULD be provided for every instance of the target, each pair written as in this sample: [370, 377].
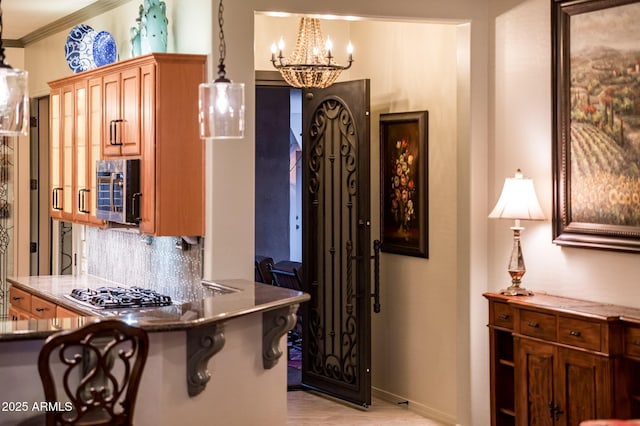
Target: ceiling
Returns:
[26, 21]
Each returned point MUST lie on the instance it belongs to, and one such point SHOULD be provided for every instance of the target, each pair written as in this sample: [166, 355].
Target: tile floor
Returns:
[310, 409]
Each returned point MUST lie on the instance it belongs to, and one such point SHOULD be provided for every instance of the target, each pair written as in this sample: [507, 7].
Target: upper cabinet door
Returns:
[61, 152]
[55, 155]
[81, 152]
[121, 133]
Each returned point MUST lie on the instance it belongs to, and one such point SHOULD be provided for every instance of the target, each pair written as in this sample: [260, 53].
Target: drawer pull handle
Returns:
[533, 324]
[16, 298]
[574, 333]
[503, 317]
[40, 309]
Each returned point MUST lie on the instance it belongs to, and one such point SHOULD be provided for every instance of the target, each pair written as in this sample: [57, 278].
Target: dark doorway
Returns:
[40, 223]
[278, 199]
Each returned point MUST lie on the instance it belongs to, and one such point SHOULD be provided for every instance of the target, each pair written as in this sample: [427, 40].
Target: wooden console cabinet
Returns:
[560, 361]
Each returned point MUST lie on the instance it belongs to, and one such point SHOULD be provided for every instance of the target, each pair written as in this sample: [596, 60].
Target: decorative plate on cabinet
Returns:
[78, 48]
[104, 49]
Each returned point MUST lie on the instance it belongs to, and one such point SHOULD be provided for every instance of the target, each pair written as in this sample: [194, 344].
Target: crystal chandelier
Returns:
[311, 64]
[14, 97]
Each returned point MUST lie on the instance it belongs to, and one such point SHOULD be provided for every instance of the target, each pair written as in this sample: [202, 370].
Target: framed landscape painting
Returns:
[404, 183]
[596, 124]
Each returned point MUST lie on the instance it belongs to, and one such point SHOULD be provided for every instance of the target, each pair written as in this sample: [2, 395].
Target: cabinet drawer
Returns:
[538, 324]
[580, 333]
[502, 315]
[66, 313]
[41, 308]
[20, 299]
[632, 342]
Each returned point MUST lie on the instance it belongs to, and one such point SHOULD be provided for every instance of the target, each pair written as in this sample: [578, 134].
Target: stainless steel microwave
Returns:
[119, 194]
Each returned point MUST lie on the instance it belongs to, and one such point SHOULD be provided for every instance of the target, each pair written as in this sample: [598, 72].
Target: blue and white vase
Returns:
[153, 32]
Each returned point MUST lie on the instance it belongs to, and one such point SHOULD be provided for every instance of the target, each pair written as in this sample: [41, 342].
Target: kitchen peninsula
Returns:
[213, 358]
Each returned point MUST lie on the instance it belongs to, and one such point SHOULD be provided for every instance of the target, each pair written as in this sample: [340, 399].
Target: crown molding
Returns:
[71, 20]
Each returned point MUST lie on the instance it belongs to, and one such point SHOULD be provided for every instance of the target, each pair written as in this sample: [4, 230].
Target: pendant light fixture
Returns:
[221, 102]
[311, 65]
[14, 96]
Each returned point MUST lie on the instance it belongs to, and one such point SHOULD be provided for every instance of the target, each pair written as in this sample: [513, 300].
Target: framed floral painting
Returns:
[596, 124]
[404, 209]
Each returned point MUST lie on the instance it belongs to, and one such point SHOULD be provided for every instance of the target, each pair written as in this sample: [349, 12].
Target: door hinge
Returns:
[33, 121]
[33, 247]
[33, 184]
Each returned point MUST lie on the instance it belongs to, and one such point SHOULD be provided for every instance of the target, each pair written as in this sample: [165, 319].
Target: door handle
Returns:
[82, 200]
[113, 132]
[376, 276]
[55, 201]
[135, 206]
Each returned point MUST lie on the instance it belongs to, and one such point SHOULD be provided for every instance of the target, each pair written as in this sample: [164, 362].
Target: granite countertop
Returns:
[217, 301]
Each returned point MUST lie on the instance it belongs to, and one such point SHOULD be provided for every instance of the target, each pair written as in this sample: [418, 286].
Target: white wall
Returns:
[522, 134]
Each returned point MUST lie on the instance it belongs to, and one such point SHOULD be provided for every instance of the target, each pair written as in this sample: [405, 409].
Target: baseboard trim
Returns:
[416, 407]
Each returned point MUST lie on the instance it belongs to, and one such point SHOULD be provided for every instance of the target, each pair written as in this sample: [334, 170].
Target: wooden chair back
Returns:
[93, 373]
[287, 273]
[263, 274]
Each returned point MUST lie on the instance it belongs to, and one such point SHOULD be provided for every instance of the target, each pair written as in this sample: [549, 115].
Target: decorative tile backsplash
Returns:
[131, 259]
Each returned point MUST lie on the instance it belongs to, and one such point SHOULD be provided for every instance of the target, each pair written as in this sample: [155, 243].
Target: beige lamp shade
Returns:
[518, 200]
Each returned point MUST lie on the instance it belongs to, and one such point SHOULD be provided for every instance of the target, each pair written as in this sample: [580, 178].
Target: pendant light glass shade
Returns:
[14, 96]
[14, 102]
[222, 110]
[221, 102]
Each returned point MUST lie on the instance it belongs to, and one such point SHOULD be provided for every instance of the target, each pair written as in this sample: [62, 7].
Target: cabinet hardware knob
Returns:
[555, 411]
[503, 317]
[16, 298]
[533, 324]
[574, 333]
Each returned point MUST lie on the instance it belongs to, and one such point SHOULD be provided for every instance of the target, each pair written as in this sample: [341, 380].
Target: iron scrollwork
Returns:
[332, 343]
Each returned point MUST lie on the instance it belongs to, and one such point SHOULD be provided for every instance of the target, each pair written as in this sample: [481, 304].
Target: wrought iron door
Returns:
[336, 241]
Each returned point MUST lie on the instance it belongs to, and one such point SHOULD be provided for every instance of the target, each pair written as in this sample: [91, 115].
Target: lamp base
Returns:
[516, 290]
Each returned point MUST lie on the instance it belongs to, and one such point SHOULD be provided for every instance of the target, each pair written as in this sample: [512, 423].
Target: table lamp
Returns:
[517, 201]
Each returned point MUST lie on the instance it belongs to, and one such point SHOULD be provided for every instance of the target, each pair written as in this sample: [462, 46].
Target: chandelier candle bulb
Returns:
[311, 64]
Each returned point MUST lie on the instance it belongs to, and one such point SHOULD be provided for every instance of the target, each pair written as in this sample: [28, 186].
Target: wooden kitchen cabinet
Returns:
[74, 149]
[142, 108]
[66, 313]
[557, 361]
[26, 306]
[172, 164]
[61, 152]
[121, 106]
[20, 304]
[42, 309]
